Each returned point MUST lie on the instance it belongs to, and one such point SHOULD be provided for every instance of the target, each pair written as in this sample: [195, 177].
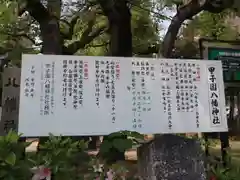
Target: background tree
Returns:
[186, 10]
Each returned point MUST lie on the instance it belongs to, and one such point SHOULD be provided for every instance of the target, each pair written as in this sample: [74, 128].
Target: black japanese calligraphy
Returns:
[10, 104]
[72, 83]
[52, 87]
[106, 74]
[29, 83]
[75, 84]
[11, 82]
[97, 82]
[107, 80]
[141, 96]
[47, 89]
[64, 83]
[113, 90]
[214, 97]
[187, 76]
[80, 83]
[85, 70]
[9, 125]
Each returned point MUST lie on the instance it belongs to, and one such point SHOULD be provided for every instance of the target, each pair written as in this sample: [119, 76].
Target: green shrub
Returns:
[12, 163]
[67, 159]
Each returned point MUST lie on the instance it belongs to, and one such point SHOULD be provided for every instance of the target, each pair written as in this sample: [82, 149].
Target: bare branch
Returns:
[151, 49]
[86, 38]
[37, 10]
[75, 19]
[184, 12]
[72, 25]
[99, 45]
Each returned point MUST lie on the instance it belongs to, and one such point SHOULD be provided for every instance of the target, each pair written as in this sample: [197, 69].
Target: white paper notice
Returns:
[83, 95]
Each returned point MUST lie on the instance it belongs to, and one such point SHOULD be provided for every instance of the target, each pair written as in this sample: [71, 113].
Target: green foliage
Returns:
[17, 34]
[66, 159]
[8, 11]
[216, 26]
[12, 164]
[119, 142]
[226, 173]
[217, 172]
[63, 156]
[144, 28]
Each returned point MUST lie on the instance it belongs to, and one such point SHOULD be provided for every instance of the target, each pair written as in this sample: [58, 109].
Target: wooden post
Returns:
[11, 79]
[10, 100]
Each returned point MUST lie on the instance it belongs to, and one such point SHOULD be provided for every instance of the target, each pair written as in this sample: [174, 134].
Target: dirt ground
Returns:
[234, 151]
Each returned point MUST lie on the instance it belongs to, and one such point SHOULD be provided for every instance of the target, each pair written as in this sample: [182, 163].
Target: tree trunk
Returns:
[184, 12]
[121, 35]
[224, 136]
[52, 43]
[51, 37]
[119, 18]
[50, 31]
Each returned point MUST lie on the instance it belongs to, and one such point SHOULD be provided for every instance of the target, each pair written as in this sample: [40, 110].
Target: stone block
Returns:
[171, 157]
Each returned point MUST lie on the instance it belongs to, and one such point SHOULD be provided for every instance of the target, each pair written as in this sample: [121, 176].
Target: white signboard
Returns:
[78, 95]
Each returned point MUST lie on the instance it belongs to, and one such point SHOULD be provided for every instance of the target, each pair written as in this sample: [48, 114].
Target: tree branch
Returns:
[24, 35]
[184, 12]
[71, 26]
[36, 10]
[21, 9]
[86, 38]
[111, 9]
[151, 49]
[99, 45]
[74, 20]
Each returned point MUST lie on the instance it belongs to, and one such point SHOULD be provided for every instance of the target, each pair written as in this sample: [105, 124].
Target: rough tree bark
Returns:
[119, 18]
[49, 24]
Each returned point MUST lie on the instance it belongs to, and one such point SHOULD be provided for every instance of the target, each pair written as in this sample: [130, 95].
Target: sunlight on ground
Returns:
[234, 152]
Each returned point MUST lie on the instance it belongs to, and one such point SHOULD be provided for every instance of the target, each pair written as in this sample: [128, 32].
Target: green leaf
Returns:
[3, 173]
[12, 137]
[122, 144]
[56, 152]
[137, 135]
[11, 159]
[65, 141]
[105, 146]
[2, 139]
[115, 135]
[75, 144]
[26, 144]
[55, 169]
